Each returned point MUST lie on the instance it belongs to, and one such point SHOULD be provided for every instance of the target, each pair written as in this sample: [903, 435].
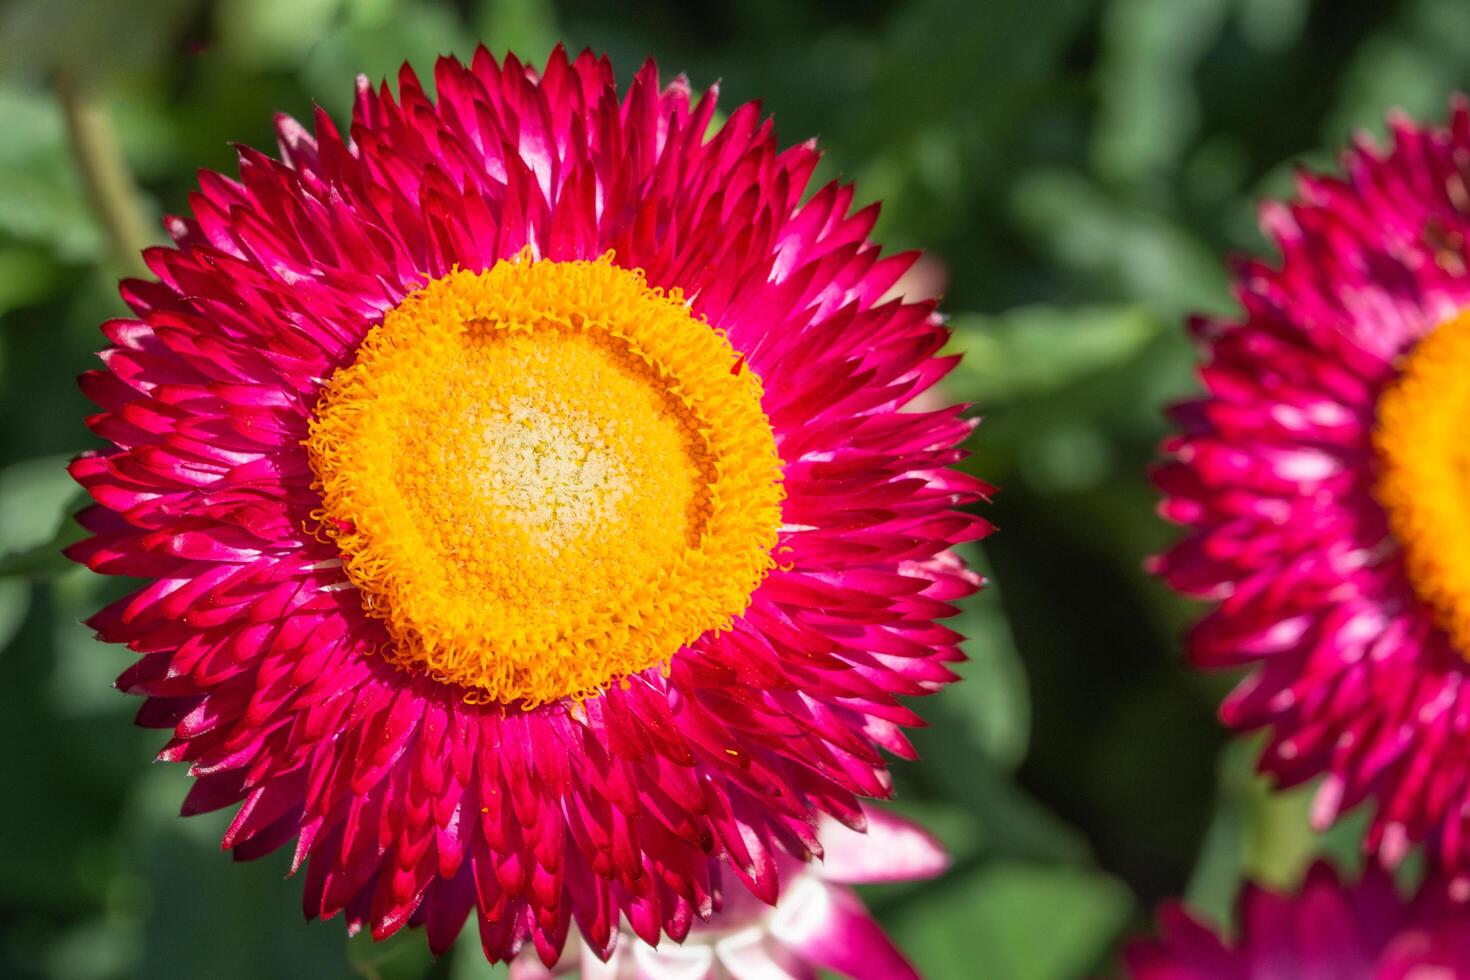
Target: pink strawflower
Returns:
[818, 922]
[1327, 930]
[1322, 479]
[532, 518]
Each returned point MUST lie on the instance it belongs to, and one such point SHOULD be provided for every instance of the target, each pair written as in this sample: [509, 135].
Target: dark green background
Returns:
[1078, 167]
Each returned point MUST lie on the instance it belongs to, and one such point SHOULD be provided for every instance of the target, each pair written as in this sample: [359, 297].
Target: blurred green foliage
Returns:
[1077, 168]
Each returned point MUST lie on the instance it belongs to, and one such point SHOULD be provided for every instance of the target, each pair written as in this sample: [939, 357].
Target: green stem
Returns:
[110, 185]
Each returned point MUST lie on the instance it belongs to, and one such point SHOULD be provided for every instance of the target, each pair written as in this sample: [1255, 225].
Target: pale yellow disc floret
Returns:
[1424, 472]
[545, 477]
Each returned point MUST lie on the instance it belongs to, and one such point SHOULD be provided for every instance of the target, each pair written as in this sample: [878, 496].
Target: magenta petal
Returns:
[893, 849]
[828, 925]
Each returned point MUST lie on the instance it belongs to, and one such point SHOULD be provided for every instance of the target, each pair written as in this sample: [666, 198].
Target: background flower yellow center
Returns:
[1423, 441]
[545, 477]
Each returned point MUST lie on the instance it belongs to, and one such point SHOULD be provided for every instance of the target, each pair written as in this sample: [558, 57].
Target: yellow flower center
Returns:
[1423, 445]
[545, 477]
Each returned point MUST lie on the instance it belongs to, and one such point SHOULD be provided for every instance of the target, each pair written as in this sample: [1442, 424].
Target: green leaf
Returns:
[204, 915]
[98, 41]
[15, 602]
[934, 104]
[991, 702]
[1277, 840]
[273, 33]
[1273, 25]
[41, 199]
[525, 27]
[468, 961]
[48, 208]
[1032, 351]
[1413, 65]
[1014, 921]
[45, 560]
[35, 496]
[1258, 833]
[1010, 823]
[1142, 255]
[33, 126]
[83, 670]
[27, 275]
[376, 42]
[105, 948]
[1216, 878]
[1149, 108]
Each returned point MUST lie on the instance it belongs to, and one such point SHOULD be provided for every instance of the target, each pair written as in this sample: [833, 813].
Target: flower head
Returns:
[1363, 931]
[1323, 481]
[534, 520]
[818, 922]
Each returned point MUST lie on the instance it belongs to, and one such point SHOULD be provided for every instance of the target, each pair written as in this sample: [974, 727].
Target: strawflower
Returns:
[1323, 480]
[531, 519]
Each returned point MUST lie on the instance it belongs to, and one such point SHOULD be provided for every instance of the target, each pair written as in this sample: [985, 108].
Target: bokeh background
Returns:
[1077, 170]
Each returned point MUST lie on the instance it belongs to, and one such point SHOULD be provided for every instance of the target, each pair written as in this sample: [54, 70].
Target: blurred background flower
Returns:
[1364, 930]
[1076, 168]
